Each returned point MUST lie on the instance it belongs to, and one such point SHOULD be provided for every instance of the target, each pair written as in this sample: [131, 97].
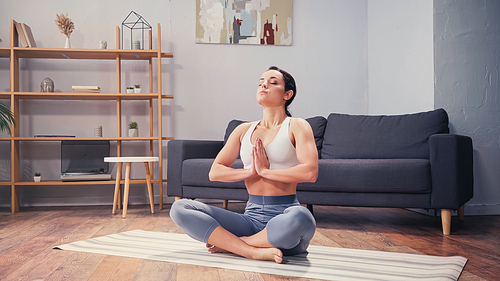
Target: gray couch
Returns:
[401, 161]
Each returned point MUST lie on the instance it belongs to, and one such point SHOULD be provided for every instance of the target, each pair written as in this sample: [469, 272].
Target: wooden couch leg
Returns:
[446, 221]
[461, 213]
[225, 204]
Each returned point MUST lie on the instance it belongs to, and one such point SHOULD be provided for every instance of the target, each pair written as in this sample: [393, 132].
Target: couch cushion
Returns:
[230, 128]
[379, 137]
[318, 125]
[195, 173]
[372, 175]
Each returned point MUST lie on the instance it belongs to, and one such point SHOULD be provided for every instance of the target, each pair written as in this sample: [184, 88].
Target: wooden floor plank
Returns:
[148, 270]
[238, 275]
[38, 269]
[194, 272]
[79, 266]
[27, 238]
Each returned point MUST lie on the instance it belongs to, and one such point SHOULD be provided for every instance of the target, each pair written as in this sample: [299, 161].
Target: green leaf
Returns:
[6, 118]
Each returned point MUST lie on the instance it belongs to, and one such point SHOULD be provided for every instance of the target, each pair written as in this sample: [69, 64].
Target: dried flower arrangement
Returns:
[65, 24]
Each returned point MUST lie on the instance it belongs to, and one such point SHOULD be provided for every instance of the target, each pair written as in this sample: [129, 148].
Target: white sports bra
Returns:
[280, 152]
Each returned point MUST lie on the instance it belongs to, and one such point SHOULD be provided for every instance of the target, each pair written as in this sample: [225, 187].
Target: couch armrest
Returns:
[451, 159]
[180, 150]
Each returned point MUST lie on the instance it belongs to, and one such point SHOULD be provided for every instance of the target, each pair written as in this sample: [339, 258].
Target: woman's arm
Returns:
[307, 154]
[221, 168]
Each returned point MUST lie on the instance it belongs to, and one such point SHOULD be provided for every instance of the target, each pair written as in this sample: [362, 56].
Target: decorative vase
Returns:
[133, 133]
[98, 131]
[68, 43]
[136, 45]
[37, 178]
[137, 90]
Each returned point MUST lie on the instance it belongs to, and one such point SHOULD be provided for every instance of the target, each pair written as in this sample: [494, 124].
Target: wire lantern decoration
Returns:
[139, 23]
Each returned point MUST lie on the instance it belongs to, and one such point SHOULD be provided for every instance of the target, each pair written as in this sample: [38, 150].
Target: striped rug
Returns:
[328, 263]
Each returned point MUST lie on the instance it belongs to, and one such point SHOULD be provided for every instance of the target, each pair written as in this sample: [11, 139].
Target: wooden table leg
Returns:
[150, 188]
[127, 187]
[117, 186]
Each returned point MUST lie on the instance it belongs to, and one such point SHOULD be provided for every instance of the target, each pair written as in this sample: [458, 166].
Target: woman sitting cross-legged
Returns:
[277, 152]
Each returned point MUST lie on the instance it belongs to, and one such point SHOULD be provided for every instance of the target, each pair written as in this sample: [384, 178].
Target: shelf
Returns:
[82, 96]
[86, 54]
[151, 57]
[56, 182]
[86, 138]
[82, 138]
[5, 52]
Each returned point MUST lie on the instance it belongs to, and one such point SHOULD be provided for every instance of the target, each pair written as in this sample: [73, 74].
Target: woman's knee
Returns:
[294, 226]
[300, 216]
[179, 210]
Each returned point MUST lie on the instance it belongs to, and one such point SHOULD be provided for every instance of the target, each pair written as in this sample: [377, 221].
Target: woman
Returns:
[277, 152]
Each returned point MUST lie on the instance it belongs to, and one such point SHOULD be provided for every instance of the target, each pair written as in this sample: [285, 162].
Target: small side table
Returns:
[128, 164]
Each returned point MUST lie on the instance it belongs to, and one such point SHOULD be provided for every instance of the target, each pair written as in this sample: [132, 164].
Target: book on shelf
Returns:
[86, 89]
[29, 35]
[25, 35]
[54, 136]
[21, 35]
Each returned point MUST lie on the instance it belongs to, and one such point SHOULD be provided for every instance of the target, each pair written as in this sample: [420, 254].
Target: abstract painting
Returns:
[264, 22]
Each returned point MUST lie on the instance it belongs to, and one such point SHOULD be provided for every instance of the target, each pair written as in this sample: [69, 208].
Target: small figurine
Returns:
[47, 85]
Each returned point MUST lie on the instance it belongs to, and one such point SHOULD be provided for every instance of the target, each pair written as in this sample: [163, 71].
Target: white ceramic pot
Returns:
[133, 133]
[67, 45]
[130, 91]
[137, 90]
[37, 178]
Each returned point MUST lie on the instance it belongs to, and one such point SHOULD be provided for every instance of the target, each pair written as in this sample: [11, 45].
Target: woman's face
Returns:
[271, 90]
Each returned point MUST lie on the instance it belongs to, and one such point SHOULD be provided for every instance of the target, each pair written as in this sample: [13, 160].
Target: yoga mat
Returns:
[329, 263]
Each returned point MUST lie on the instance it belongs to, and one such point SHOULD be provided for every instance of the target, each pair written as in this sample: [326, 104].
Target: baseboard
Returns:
[482, 209]
[470, 210]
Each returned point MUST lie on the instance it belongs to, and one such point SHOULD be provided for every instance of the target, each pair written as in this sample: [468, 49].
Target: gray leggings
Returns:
[290, 226]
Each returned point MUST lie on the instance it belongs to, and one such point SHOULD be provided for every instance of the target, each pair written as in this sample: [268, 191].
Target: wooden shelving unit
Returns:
[15, 53]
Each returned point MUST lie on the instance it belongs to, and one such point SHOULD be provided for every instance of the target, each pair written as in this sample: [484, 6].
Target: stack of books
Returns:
[86, 89]
[25, 35]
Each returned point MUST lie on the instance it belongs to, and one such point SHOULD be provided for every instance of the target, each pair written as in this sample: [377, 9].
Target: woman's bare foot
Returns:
[236, 245]
[268, 254]
[214, 249]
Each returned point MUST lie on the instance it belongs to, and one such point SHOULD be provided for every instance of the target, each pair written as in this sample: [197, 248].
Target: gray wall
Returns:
[467, 62]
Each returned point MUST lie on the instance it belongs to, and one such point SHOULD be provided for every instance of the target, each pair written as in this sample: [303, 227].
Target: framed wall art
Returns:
[259, 22]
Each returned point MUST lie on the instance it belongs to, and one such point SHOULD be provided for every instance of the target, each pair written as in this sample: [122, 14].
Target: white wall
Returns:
[330, 60]
[400, 56]
[217, 83]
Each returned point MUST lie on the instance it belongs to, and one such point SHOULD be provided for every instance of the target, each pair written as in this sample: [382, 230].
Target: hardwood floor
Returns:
[27, 238]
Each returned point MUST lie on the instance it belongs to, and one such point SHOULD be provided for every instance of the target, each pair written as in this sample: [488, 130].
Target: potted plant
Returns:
[6, 118]
[130, 90]
[137, 88]
[37, 177]
[133, 131]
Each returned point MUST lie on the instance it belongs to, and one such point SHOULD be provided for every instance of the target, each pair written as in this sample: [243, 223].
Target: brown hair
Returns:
[289, 85]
